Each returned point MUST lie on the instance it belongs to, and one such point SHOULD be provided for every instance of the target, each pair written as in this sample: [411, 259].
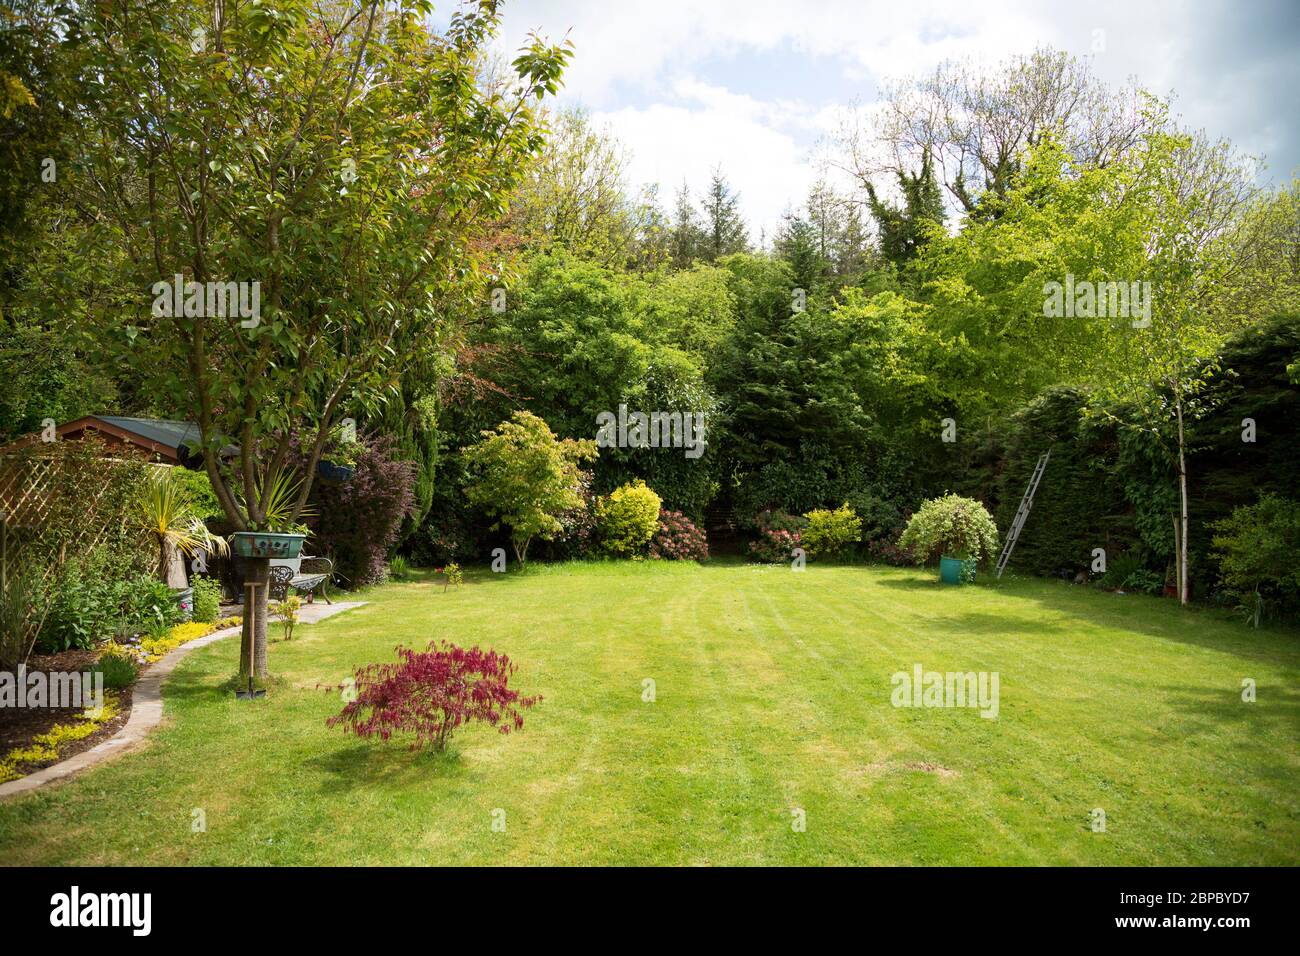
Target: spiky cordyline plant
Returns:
[167, 513]
[278, 493]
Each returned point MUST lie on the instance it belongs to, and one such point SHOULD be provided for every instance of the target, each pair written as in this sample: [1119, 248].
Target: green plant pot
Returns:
[266, 544]
[329, 471]
[956, 570]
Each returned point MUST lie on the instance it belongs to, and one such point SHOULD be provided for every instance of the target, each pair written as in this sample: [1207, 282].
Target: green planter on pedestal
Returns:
[266, 544]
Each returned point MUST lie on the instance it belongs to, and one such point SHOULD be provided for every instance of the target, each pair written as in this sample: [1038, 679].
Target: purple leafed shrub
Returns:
[430, 693]
[358, 520]
[886, 549]
[578, 539]
[678, 539]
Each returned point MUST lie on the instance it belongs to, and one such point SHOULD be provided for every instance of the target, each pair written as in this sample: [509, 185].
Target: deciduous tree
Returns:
[525, 478]
[342, 156]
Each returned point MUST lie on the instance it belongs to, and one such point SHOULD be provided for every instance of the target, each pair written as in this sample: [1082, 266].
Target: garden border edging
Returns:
[146, 709]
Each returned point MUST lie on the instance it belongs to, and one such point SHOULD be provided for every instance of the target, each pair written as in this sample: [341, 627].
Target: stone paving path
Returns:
[147, 705]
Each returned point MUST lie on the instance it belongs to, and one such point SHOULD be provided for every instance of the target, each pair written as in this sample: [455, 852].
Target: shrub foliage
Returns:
[1256, 547]
[678, 539]
[207, 599]
[953, 526]
[830, 532]
[778, 535]
[357, 522]
[431, 693]
[525, 478]
[628, 518]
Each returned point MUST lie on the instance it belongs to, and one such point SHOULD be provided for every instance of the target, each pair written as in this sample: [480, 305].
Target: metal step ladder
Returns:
[1022, 512]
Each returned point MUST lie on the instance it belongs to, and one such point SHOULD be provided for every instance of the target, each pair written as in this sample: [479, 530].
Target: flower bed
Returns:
[36, 737]
[47, 747]
[145, 649]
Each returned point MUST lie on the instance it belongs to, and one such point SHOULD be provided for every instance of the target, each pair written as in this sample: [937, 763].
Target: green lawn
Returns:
[772, 694]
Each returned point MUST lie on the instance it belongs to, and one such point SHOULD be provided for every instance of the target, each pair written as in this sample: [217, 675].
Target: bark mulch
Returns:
[19, 726]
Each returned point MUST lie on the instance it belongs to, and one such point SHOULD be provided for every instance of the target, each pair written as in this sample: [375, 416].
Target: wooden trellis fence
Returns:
[57, 501]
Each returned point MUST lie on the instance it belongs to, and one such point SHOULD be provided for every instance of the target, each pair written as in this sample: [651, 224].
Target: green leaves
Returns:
[628, 518]
[1256, 549]
[951, 526]
[168, 513]
[525, 478]
[542, 65]
[228, 165]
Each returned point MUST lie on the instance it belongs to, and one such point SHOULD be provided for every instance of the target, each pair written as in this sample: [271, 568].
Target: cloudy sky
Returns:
[754, 85]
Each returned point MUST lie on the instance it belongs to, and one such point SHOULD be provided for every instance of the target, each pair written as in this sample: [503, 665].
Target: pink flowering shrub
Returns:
[431, 693]
[778, 535]
[678, 539]
[578, 539]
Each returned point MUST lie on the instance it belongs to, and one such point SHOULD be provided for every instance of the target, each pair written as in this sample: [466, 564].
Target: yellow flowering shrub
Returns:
[156, 648]
[114, 649]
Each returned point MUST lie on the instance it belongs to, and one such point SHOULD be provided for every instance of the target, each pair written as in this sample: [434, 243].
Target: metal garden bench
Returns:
[313, 574]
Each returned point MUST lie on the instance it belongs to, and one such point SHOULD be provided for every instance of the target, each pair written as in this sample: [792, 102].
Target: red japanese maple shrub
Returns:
[431, 693]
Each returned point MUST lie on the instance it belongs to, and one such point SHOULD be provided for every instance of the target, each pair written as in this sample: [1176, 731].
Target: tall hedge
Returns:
[1109, 486]
[1080, 503]
[1225, 471]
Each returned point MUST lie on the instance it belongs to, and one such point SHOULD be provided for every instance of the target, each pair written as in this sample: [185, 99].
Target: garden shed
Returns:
[154, 439]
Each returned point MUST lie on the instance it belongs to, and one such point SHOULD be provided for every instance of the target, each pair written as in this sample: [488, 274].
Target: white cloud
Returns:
[632, 46]
[672, 143]
[671, 78]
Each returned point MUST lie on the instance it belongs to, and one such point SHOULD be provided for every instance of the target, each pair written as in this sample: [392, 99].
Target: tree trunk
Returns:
[1183, 584]
[257, 571]
[171, 567]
